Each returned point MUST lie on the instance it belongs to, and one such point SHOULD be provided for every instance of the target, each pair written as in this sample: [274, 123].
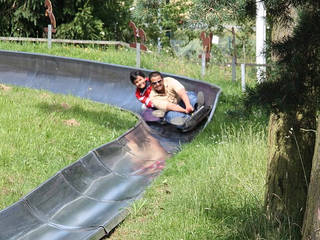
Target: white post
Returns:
[159, 45]
[243, 77]
[49, 35]
[260, 39]
[203, 64]
[138, 51]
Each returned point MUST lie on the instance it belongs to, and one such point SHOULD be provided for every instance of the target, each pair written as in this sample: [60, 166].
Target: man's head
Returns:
[157, 83]
[138, 78]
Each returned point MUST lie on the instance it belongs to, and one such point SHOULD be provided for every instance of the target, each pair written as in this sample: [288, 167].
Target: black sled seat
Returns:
[87, 199]
[196, 118]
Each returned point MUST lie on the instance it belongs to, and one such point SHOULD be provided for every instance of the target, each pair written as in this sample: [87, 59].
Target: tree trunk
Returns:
[311, 223]
[290, 159]
[280, 32]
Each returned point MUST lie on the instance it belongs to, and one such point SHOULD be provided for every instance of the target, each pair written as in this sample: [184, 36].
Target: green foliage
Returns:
[75, 19]
[20, 18]
[84, 26]
[217, 13]
[218, 17]
[174, 14]
[295, 80]
[115, 16]
[161, 18]
[145, 16]
[107, 20]
[292, 93]
[280, 10]
[191, 50]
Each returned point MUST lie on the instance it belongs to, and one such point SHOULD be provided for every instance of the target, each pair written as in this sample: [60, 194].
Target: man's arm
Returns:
[175, 107]
[184, 97]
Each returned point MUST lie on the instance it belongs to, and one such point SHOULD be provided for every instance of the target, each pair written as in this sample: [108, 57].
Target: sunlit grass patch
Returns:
[42, 132]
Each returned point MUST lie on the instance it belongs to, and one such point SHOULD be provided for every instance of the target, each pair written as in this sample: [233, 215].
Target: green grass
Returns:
[214, 187]
[41, 133]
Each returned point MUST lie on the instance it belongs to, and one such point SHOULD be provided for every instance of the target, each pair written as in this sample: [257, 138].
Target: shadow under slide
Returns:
[90, 197]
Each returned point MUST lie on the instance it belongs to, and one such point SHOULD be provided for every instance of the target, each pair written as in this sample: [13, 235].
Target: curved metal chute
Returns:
[88, 198]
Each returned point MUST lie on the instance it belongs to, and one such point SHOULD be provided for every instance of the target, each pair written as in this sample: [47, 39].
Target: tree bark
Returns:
[280, 32]
[311, 223]
[289, 166]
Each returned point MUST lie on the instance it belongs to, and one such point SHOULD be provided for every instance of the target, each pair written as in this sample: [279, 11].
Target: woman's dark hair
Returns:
[154, 74]
[135, 74]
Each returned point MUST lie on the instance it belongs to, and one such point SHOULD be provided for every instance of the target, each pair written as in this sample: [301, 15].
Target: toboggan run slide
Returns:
[89, 198]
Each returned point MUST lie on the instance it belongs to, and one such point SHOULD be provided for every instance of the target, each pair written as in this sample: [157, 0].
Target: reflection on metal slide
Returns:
[87, 199]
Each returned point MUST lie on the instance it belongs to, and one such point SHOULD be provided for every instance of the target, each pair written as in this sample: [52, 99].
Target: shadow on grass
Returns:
[111, 117]
[248, 222]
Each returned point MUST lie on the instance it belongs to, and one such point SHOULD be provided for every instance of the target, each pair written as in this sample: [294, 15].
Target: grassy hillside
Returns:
[213, 188]
[42, 132]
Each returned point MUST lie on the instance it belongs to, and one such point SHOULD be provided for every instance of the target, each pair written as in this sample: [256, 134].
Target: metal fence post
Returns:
[260, 39]
[138, 55]
[243, 77]
[234, 77]
[49, 35]
[203, 64]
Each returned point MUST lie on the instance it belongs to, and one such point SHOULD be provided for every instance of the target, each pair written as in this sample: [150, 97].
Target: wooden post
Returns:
[205, 56]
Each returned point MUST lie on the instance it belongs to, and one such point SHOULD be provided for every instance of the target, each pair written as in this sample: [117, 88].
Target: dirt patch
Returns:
[65, 105]
[5, 191]
[45, 96]
[71, 122]
[4, 87]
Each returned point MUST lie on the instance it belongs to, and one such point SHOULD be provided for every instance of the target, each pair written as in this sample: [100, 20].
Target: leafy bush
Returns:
[161, 18]
[84, 26]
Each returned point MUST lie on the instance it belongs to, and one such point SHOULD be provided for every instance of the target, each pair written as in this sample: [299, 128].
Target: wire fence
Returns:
[242, 66]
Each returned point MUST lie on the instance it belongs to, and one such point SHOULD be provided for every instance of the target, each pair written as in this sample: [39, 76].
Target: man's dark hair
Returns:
[154, 74]
[135, 74]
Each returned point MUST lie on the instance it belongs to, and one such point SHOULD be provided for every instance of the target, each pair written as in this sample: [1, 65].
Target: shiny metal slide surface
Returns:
[88, 198]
